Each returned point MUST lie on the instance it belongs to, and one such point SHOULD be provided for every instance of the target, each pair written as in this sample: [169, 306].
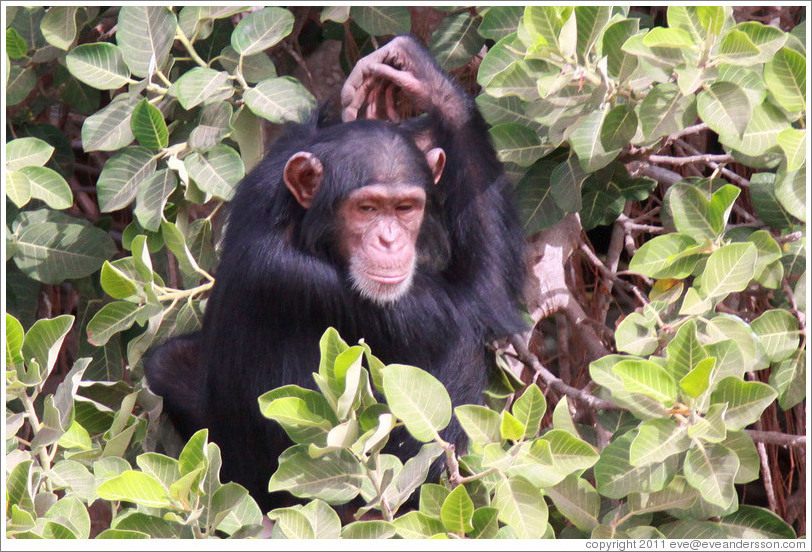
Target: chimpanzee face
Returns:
[377, 235]
[377, 224]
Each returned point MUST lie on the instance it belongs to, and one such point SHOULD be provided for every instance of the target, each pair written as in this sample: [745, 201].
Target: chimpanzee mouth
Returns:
[387, 279]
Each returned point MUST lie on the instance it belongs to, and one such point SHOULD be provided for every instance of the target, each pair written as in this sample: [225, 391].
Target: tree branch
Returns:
[530, 360]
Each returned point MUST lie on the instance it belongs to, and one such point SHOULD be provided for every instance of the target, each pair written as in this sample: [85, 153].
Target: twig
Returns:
[693, 129]
[706, 158]
[800, 315]
[768, 476]
[740, 180]
[777, 438]
[530, 360]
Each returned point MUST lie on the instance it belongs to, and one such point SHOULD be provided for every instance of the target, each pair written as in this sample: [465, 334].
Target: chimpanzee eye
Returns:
[367, 208]
[405, 208]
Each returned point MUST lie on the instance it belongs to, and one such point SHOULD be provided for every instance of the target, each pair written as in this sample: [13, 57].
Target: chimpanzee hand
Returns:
[402, 68]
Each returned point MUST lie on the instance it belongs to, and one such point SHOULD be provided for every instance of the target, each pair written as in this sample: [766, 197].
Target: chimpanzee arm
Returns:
[486, 267]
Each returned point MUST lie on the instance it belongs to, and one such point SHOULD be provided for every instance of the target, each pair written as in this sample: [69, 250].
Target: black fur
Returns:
[280, 285]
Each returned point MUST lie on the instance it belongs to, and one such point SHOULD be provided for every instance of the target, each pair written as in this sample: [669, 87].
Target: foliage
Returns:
[685, 137]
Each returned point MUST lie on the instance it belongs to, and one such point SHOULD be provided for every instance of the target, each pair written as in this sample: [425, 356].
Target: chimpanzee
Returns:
[400, 232]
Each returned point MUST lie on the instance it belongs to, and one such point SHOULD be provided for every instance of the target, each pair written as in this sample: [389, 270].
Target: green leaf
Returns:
[19, 83]
[664, 37]
[518, 144]
[424, 414]
[766, 204]
[590, 22]
[522, 507]
[577, 500]
[696, 216]
[261, 29]
[500, 21]
[214, 125]
[53, 247]
[481, 424]
[510, 428]
[587, 139]
[685, 351]
[729, 327]
[712, 18]
[382, 20]
[456, 40]
[44, 340]
[647, 378]
[109, 129]
[535, 198]
[712, 427]
[375, 529]
[217, 171]
[615, 477]
[300, 423]
[148, 126]
[486, 523]
[111, 319]
[724, 107]
[152, 197]
[73, 513]
[122, 176]
[14, 342]
[543, 25]
[529, 409]
[334, 477]
[620, 64]
[255, 67]
[660, 257]
[656, 440]
[636, 335]
[793, 144]
[432, 497]
[785, 75]
[677, 495]
[59, 27]
[711, 470]
[280, 99]
[160, 467]
[790, 190]
[145, 35]
[202, 85]
[788, 378]
[122, 534]
[134, 486]
[752, 522]
[662, 110]
[16, 46]
[746, 400]
[618, 127]
[417, 525]
[761, 134]
[729, 269]
[412, 475]
[100, 65]
[49, 186]
[176, 242]
[457, 511]
[778, 332]
[27, 152]
[750, 464]
[697, 381]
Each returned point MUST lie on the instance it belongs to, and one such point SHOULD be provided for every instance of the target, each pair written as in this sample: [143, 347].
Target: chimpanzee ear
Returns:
[303, 173]
[436, 160]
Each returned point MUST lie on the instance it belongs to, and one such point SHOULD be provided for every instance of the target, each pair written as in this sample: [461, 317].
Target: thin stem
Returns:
[189, 47]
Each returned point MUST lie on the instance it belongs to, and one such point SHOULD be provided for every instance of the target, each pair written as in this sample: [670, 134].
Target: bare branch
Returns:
[530, 360]
[777, 438]
[706, 158]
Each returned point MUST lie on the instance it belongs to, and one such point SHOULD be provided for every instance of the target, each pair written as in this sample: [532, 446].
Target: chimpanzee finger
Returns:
[391, 109]
[403, 79]
[355, 92]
